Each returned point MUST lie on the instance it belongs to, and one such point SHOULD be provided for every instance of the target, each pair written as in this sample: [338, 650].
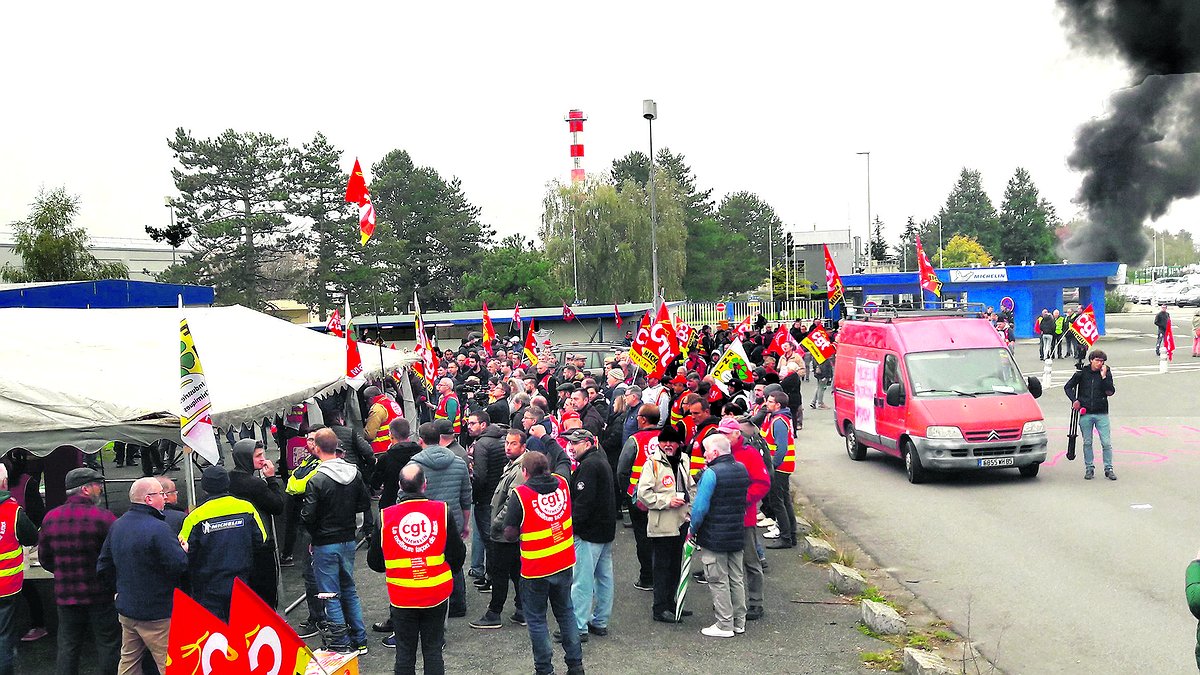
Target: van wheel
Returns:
[912, 465]
[1030, 470]
[857, 451]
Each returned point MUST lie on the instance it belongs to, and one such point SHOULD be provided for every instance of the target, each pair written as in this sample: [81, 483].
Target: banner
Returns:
[733, 361]
[925, 273]
[655, 345]
[489, 332]
[354, 368]
[356, 193]
[195, 422]
[833, 281]
[819, 345]
[272, 646]
[1084, 327]
[200, 643]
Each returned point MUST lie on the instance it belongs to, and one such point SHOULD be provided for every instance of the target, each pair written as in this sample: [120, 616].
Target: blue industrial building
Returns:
[1031, 288]
[104, 294]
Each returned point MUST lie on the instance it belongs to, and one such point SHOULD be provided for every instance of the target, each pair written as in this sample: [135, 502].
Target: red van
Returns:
[941, 392]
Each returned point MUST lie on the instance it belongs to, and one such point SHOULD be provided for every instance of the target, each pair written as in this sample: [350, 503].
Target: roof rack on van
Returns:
[912, 310]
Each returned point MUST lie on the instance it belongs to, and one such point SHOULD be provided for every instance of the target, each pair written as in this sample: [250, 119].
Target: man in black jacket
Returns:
[594, 515]
[1089, 390]
[266, 495]
[1160, 322]
[488, 460]
[592, 420]
[355, 446]
[333, 497]
[385, 476]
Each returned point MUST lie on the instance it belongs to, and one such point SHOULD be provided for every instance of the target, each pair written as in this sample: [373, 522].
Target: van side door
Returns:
[890, 420]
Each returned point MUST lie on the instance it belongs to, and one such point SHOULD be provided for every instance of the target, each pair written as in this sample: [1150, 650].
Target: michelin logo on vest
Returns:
[415, 532]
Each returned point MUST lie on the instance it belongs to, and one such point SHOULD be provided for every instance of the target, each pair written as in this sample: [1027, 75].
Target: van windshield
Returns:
[964, 372]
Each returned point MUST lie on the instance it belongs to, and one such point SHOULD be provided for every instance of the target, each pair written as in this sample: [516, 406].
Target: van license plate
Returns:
[996, 461]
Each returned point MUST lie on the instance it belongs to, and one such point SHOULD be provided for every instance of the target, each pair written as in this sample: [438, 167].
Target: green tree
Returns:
[906, 250]
[969, 211]
[745, 213]
[788, 286]
[511, 272]
[634, 167]
[234, 198]
[336, 259]
[962, 251]
[878, 246]
[428, 235]
[719, 264]
[1027, 223]
[51, 248]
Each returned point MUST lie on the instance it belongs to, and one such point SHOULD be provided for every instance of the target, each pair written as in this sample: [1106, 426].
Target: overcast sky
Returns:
[775, 98]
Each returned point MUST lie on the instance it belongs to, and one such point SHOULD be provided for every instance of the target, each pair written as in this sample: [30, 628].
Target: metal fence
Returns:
[700, 313]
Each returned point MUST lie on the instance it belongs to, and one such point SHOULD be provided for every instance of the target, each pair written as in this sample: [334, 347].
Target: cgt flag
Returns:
[357, 193]
[1084, 327]
[744, 327]
[656, 344]
[1169, 341]
[616, 316]
[489, 332]
[201, 644]
[354, 367]
[925, 273]
[819, 345]
[783, 335]
[195, 420]
[568, 315]
[334, 325]
[531, 347]
[426, 367]
[272, 646]
[836, 292]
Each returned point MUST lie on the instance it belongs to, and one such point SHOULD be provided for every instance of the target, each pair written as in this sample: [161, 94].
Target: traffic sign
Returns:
[870, 307]
[721, 307]
[1007, 304]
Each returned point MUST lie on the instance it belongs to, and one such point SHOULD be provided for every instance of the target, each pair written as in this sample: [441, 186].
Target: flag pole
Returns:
[189, 469]
[379, 337]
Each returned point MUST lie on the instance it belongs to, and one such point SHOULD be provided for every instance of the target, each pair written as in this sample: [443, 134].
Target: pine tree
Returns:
[969, 211]
[1027, 223]
[333, 245]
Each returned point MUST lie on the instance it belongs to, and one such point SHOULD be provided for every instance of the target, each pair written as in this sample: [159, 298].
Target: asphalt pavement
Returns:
[1053, 574]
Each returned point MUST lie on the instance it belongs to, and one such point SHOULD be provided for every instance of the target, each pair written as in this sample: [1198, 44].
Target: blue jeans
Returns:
[482, 513]
[8, 634]
[592, 580]
[1100, 423]
[556, 589]
[333, 566]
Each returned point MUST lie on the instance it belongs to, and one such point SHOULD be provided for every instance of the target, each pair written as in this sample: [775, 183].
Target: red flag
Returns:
[819, 345]
[489, 333]
[568, 315]
[531, 347]
[617, 315]
[744, 327]
[781, 336]
[201, 643]
[517, 314]
[925, 274]
[1169, 340]
[833, 281]
[656, 345]
[272, 646]
[334, 325]
[357, 193]
[1084, 327]
[354, 366]
[427, 366]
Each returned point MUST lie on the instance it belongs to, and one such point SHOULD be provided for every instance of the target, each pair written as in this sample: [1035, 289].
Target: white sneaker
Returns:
[739, 631]
[772, 533]
[716, 631]
[764, 521]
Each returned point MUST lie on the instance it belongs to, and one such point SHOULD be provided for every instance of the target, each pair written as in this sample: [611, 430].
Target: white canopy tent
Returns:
[84, 377]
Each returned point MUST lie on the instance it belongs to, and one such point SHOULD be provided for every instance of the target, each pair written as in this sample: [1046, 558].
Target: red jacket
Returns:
[760, 482]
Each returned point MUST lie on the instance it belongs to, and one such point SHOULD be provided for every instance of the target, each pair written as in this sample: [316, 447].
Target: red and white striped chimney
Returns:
[575, 120]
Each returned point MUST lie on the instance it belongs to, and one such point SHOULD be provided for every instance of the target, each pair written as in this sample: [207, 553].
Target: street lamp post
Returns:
[650, 113]
[171, 223]
[867, 257]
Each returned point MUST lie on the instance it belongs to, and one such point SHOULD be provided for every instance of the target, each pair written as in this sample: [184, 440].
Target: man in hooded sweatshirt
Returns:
[447, 481]
[333, 497]
[221, 536]
[265, 492]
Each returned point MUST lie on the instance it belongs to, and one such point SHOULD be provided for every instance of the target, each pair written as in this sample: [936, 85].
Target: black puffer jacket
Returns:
[489, 461]
[358, 450]
[333, 496]
[386, 474]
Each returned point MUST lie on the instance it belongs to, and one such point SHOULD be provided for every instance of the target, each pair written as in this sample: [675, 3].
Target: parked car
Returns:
[1149, 292]
[1186, 297]
[943, 393]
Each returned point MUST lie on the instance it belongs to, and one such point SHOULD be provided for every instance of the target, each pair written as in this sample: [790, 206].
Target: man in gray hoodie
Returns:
[447, 481]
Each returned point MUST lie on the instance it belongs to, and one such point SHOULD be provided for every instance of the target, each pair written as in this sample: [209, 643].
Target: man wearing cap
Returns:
[629, 471]
[595, 523]
[750, 457]
[69, 545]
[678, 393]
[614, 386]
[264, 490]
[383, 411]
[778, 432]
[221, 537]
[665, 488]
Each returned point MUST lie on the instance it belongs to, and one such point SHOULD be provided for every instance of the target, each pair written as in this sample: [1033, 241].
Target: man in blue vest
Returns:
[717, 528]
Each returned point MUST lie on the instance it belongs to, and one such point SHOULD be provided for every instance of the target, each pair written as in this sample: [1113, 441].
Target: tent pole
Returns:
[379, 338]
[189, 469]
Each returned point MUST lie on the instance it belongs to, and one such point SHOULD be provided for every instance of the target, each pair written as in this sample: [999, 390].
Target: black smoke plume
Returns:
[1145, 154]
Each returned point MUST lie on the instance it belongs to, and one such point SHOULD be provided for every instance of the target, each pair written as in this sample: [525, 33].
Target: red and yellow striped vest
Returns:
[383, 437]
[12, 558]
[414, 540]
[547, 537]
[642, 438]
[442, 414]
[697, 462]
[768, 433]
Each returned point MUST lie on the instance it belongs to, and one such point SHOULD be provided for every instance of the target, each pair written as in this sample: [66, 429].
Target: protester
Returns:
[1192, 591]
[144, 561]
[1161, 320]
[718, 514]
[760, 483]
[69, 546]
[777, 430]
[265, 493]
[296, 484]
[1196, 333]
[824, 376]
[629, 472]
[173, 513]
[385, 475]
[333, 497]
[1089, 390]
[665, 489]
[355, 447]
[416, 546]
[447, 481]
[502, 556]
[375, 428]
[488, 461]
[593, 503]
[538, 514]
[221, 536]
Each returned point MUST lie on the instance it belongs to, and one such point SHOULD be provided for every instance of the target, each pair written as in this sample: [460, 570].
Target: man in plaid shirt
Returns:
[70, 543]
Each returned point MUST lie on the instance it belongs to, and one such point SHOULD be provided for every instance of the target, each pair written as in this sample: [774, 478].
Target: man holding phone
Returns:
[1089, 390]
